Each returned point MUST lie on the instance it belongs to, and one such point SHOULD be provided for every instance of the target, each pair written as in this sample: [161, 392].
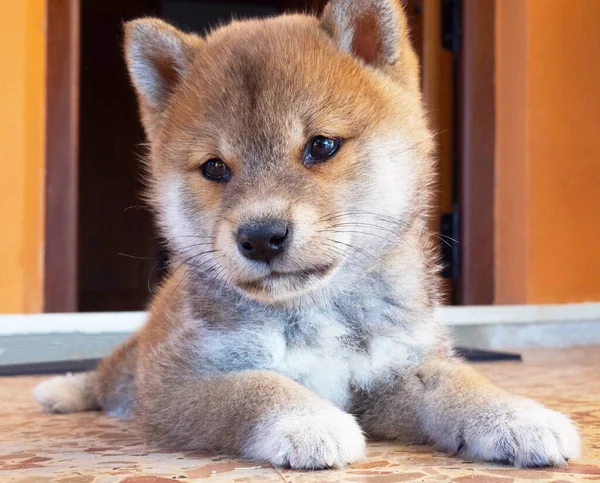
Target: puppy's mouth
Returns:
[297, 278]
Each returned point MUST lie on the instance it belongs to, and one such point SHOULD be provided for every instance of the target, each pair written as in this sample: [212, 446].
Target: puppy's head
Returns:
[285, 153]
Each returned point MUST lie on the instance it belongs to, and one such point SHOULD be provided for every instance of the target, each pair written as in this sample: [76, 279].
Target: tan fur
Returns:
[292, 362]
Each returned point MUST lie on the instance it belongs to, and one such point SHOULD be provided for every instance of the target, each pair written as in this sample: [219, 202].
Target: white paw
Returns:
[65, 394]
[315, 438]
[521, 432]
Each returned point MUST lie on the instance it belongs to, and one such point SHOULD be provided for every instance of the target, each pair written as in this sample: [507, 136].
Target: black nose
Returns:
[263, 240]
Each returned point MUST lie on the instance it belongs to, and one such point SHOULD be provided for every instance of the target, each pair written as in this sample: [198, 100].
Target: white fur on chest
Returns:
[325, 362]
[331, 369]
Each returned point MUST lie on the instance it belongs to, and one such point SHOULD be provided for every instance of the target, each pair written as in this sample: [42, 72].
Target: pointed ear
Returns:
[375, 31]
[158, 55]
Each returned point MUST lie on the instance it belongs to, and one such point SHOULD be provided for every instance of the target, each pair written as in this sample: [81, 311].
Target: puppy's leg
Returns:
[259, 415]
[111, 387]
[446, 402]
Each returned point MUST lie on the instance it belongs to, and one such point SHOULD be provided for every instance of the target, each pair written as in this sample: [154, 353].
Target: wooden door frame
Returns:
[61, 151]
[476, 153]
[460, 98]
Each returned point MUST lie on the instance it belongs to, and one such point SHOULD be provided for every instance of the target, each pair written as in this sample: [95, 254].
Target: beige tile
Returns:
[91, 448]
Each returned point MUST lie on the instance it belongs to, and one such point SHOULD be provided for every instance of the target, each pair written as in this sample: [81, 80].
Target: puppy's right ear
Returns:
[158, 56]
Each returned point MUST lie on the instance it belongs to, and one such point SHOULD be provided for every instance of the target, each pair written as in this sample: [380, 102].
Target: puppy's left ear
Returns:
[158, 57]
[375, 31]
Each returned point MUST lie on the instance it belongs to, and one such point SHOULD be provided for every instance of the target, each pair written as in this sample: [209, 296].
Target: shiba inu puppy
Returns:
[290, 164]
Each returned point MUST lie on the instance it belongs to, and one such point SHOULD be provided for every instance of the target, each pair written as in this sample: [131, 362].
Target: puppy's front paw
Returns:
[313, 438]
[521, 432]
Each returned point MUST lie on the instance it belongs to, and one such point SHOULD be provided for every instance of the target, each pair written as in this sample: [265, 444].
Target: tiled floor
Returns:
[88, 447]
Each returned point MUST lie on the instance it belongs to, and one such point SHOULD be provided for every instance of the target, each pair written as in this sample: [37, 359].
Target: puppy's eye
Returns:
[320, 149]
[215, 170]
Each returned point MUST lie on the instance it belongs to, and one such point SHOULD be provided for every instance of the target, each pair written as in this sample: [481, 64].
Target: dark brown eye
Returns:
[319, 149]
[215, 170]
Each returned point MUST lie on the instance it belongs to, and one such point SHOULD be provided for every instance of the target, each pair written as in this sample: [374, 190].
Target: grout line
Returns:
[279, 473]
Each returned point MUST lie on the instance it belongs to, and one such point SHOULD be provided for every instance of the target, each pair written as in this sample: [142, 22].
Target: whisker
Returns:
[388, 240]
[135, 207]
[205, 272]
[127, 255]
[160, 259]
[196, 245]
[358, 232]
[196, 269]
[369, 225]
[187, 268]
[199, 237]
[216, 282]
[343, 253]
[442, 240]
[186, 261]
[439, 235]
[332, 216]
[352, 247]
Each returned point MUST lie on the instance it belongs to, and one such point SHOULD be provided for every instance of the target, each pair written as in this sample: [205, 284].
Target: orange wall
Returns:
[548, 151]
[22, 100]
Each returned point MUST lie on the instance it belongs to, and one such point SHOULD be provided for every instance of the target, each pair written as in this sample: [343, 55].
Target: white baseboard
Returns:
[128, 322]
[519, 314]
[54, 337]
[78, 322]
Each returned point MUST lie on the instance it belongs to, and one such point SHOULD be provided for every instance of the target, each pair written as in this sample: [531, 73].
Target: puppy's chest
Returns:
[325, 352]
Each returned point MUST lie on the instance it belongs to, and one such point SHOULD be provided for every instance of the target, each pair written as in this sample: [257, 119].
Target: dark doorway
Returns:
[120, 257]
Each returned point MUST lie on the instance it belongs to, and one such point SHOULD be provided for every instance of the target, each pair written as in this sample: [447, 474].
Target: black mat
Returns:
[53, 367]
[61, 367]
[480, 355]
